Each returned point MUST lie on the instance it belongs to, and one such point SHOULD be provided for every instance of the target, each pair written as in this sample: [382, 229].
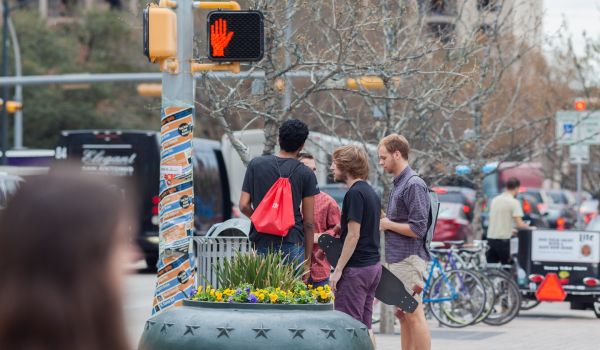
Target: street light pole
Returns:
[5, 13]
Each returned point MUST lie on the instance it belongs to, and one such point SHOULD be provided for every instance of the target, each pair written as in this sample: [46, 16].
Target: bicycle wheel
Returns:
[528, 304]
[490, 299]
[508, 299]
[456, 298]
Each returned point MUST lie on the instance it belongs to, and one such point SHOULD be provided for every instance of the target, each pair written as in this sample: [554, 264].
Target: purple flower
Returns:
[247, 289]
[252, 298]
[238, 291]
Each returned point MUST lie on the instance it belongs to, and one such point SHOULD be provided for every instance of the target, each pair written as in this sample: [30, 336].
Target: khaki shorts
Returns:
[411, 271]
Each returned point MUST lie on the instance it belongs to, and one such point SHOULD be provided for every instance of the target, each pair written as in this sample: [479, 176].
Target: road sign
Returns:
[579, 154]
[235, 36]
[578, 127]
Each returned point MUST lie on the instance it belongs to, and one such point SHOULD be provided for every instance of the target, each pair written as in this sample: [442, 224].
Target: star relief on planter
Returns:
[224, 331]
[190, 329]
[330, 332]
[352, 332]
[261, 332]
[298, 332]
[165, 328]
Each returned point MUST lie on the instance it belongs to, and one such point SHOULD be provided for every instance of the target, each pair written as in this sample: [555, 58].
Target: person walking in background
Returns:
[358, 270]
[405, 225]
[327, 221]
[64, 245]
[261, 175]
[506, 213]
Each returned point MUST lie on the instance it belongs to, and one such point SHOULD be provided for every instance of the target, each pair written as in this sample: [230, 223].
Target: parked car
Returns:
[531, 211]
[336, 191]
[554, 205]
[589, 210]
[452, 223]
[9, 184]
[459, 195]
[135, 155]
[594, 224]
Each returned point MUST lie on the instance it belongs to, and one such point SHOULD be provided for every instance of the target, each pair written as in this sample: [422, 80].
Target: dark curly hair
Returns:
[292, 135]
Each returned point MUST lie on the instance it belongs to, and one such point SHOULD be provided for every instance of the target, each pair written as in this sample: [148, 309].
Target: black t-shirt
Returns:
[361, 204]
[261, 174]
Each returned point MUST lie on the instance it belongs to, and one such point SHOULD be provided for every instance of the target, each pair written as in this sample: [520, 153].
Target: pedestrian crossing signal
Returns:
[235, 36]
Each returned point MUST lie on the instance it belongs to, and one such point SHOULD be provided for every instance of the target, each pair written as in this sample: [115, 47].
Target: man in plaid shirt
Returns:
[327, 221]
[405, 225]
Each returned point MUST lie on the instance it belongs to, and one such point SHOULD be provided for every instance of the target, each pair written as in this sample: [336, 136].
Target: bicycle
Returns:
[508, 296]
[456, 298]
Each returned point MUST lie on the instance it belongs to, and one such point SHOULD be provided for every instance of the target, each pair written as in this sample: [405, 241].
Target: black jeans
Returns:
[499, 251]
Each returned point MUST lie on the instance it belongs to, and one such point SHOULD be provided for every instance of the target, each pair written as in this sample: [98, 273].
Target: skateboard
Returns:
[390, 290]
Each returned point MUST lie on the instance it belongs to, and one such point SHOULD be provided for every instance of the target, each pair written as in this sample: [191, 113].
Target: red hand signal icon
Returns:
[219, 38]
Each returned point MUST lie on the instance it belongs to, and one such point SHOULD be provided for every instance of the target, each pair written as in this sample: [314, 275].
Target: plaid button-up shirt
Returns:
[408, 203]
[327, 217]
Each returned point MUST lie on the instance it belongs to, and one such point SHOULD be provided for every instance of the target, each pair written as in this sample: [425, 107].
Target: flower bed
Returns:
[300, 294]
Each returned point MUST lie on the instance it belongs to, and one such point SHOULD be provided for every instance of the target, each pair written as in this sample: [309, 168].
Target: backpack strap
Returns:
[277, 165]
[293, 170]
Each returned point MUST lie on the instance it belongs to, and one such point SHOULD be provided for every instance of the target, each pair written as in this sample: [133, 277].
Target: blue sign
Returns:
[568, 128]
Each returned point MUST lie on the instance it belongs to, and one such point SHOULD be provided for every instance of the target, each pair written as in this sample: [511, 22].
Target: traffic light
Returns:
[580, 105]
[235, 36]
[11, 106]
[365, 82]
[160, 33]
[149, 90]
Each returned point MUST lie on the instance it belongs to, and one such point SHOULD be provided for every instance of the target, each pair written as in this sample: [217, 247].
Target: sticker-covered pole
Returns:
[176, 209]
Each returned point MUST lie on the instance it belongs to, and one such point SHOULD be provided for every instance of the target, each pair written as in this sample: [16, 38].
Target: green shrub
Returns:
[260, 271]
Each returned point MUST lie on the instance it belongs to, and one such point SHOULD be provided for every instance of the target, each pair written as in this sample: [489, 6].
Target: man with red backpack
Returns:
[275, 189]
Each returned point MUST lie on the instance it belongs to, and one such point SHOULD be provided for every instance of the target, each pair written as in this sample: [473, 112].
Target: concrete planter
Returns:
[216, 326]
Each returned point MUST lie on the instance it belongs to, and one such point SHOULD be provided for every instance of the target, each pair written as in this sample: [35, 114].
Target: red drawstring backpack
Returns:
[275, 213]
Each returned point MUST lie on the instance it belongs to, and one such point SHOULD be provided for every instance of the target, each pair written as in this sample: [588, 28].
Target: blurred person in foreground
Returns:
[64, 245]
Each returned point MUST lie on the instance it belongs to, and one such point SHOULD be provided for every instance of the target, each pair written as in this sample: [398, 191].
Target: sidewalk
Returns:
[550, 326]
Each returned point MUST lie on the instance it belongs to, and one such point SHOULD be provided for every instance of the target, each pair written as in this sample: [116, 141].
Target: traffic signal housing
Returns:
[235, 36]
[149, 90]
[580, 105]
[11, 106]
[160, 33]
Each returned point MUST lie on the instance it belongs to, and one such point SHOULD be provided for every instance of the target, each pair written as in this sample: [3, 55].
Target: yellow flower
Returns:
[310, 286]
[212, 292]
[320, 289]
[327, 288]
[261, 297]
[303, 293]
[324, 295]
[273, 297]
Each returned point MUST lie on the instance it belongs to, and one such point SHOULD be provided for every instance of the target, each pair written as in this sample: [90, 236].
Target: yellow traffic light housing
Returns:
[365, 82]
[149, 90]
[160, 33]
[13, 106]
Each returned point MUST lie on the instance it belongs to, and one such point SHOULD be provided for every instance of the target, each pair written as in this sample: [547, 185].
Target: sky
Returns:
[580, 15]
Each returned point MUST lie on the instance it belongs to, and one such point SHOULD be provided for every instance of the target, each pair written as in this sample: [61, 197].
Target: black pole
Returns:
[5, 10]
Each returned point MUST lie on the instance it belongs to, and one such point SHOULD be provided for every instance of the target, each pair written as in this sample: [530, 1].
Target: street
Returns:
[547, 327]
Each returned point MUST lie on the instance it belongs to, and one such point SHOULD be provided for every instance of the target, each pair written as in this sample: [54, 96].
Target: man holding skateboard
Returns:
[405, 225]
[358, 270]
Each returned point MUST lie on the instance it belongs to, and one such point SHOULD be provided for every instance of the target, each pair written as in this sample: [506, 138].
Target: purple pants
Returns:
[356, 291]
